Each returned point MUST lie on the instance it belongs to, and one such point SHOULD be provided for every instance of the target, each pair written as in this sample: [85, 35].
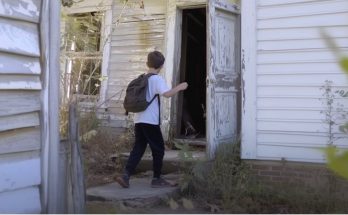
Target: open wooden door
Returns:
[223, 76]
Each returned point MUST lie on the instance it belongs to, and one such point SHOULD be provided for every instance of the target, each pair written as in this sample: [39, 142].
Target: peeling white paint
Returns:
[21, 9]
[20, 82]
[18, 64]
[33, 66]
[222, 75]
[18, 37]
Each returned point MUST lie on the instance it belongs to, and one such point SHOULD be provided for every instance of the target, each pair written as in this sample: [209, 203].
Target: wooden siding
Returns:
[28, 11]
[88, 6]
[27, 200]
[19, 37]
[138, 32]
[292, 63]
[27, 139]
[11, 177]
[20, 106]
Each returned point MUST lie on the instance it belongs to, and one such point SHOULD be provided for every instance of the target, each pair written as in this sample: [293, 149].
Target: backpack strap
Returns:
[159, 107]
[159, 101]
[152, 99]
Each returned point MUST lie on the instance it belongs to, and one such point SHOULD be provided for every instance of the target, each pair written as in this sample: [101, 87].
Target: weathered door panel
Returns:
[223, 81]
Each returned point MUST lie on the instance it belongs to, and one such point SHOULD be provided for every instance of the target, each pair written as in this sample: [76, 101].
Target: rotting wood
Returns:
[221, 63]
[189, 4]
[138, 32]
[76, 184]
[182, 75]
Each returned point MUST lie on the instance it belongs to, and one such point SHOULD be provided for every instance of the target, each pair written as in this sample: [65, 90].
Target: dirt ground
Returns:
[93, 207]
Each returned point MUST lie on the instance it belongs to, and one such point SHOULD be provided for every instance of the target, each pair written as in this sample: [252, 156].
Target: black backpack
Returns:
[135, 100]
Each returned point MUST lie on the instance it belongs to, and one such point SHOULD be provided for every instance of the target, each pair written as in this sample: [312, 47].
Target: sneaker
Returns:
[123, 181]
[160, 182]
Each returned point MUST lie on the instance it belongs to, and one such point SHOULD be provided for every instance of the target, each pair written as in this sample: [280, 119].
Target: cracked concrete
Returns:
[139, 194]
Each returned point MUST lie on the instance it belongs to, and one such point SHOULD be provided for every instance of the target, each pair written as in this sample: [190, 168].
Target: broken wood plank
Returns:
[20, 140]
[19, 121]
[18, 102]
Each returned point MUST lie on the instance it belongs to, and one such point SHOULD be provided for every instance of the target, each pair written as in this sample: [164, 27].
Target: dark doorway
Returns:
[192, 104]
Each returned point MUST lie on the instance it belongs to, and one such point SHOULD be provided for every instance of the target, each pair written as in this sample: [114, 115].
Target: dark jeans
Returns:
[144, 134]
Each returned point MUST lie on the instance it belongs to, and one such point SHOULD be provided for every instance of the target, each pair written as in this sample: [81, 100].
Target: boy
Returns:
[147, 128]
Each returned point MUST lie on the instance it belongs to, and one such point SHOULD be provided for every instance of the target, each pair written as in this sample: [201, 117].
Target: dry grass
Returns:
[97, 153]
[225, 185]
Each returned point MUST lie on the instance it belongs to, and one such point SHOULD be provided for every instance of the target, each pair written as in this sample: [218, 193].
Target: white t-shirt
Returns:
[156, 85]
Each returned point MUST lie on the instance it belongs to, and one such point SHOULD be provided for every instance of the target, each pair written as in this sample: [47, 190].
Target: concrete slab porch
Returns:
[139, 194]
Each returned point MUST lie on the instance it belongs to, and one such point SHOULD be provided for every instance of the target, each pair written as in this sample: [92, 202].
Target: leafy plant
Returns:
[221, 182]
[334, 111]
[187, 163]
[338, 161]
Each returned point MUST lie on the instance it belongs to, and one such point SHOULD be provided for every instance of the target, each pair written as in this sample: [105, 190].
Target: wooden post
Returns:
[76, 185]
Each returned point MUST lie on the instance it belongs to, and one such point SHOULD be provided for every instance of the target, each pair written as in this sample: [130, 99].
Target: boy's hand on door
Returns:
[183, 86]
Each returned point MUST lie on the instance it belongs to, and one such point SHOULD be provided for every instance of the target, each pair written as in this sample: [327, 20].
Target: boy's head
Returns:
[155, 60]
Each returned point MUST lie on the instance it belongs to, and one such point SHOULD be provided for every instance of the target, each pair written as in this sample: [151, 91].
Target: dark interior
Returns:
[192, 105]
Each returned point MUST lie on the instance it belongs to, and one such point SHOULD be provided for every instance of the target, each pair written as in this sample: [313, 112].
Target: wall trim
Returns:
[106, 41]
[50, 46]
[248, 58]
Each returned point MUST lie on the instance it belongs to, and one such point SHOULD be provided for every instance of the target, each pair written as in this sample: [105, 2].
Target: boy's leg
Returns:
[154, 137]
[134, 157]
[138, 149]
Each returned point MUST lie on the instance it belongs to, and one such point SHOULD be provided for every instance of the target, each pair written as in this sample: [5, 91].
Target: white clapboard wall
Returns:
[139, 31]
[20, 105]
[292, 63]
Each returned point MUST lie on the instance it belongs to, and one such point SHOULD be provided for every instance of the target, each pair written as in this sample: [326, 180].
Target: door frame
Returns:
[173, 45]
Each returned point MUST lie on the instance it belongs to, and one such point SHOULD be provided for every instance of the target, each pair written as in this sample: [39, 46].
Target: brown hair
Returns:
[155, 59]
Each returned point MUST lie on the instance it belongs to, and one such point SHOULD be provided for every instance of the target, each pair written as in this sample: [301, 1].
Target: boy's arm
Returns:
[175, 90]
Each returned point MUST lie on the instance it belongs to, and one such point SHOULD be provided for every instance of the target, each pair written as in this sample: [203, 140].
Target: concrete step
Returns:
[139, 194]
[191, 142]
[171, 160]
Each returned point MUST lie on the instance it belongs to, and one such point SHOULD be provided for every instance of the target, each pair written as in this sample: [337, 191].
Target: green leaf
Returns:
[337, 161]
[344, 64]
